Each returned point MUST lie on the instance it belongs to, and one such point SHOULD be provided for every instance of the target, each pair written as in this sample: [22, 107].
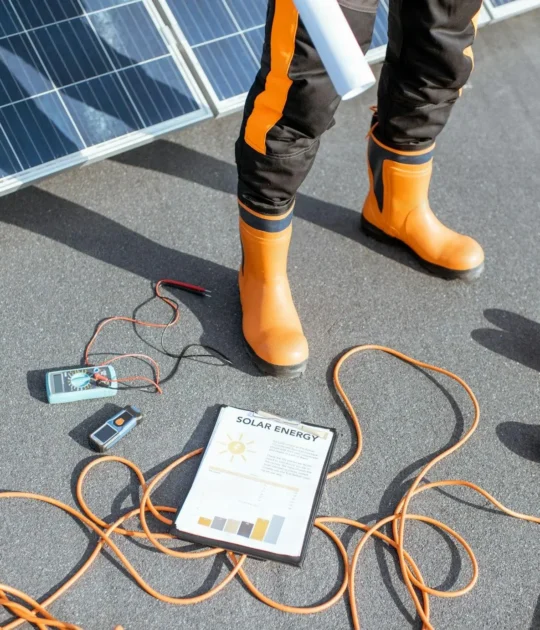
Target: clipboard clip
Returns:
[295, 423]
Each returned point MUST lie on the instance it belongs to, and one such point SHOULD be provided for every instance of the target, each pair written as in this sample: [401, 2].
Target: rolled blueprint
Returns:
[337, 46]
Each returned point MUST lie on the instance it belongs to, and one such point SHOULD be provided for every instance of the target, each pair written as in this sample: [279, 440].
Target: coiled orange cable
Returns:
[38, 615]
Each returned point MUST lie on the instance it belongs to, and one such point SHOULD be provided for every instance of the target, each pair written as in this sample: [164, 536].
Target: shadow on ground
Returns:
[176, 160]
[517, 338]
[107, 240]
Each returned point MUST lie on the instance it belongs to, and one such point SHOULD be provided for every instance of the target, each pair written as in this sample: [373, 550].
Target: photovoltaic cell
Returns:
[229, 65]
[224, 40]
[75, 74]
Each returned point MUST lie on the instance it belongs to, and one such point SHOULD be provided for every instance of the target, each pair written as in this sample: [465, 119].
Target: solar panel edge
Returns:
[184, 48]
[189, 76]
[224, 105]
[511, 8]
[96, 153]
[193, 53]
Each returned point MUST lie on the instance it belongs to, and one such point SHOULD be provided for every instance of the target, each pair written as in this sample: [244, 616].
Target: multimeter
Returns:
[80, 384]
[115, 428]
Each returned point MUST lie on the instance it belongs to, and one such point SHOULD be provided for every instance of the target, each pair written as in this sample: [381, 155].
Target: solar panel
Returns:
[82, 79]
[501, 9]
[223, 40]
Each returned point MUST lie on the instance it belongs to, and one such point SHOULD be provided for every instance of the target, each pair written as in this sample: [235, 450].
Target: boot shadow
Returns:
[165, 156]
[515, 337]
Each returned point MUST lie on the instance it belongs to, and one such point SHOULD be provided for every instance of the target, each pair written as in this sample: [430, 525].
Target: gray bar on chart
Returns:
[245, 529]
[274, 529]
[218, 523]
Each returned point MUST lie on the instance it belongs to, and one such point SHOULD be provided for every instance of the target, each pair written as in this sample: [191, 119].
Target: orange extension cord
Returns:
[38, 615]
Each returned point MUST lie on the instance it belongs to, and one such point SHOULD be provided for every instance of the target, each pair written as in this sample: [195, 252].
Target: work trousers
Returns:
[292, 101]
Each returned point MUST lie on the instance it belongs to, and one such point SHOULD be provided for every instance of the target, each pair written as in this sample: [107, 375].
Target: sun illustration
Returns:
[236, 447]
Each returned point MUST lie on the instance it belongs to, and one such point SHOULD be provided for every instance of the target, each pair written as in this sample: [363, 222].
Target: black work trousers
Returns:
[292, 101]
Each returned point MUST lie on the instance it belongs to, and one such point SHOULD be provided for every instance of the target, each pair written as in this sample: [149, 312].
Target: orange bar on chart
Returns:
[260, 529]
[205, 521]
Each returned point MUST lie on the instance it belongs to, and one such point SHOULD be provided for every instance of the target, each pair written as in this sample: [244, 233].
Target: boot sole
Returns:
[469, 275]
[278, 371]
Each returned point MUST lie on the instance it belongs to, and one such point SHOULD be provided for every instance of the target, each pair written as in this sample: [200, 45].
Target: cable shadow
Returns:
[395, 492]
[516, 337]
[198, 438]
[104, 239]
[170, 158]
[173, 489]
[481, 508]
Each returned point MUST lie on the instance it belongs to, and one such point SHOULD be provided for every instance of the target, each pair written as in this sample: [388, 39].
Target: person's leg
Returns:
[291, 104]
[429, 60]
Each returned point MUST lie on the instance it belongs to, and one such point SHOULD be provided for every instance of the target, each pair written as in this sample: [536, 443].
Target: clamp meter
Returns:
[80, 384]
[115, 428]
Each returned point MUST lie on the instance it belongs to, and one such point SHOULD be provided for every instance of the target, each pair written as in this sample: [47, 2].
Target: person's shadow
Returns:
[513, 336]
[517, 338]
[188, 164]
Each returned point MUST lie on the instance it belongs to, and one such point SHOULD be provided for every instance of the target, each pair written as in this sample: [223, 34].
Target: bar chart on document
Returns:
[254, 522]
[257, 483]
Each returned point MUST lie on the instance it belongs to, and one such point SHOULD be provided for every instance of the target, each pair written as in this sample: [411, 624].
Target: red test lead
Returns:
[155, 382]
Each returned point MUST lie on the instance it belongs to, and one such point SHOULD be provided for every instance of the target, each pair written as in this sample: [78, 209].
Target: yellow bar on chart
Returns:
[205, 521]
[260, 529]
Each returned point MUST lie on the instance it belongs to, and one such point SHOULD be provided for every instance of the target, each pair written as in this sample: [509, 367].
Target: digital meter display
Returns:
[117, 427]
[105, 434]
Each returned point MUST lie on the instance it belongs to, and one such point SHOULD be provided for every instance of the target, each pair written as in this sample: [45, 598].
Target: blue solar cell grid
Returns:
[77, 73]
[226, 38]
[380, 31]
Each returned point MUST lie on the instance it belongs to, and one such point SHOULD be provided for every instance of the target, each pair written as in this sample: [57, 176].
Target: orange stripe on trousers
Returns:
[269, 105]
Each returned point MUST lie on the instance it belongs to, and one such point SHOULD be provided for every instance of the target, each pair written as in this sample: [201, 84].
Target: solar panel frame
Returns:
[502, 9]
[90, 154]
[379, 40]
[230, 104]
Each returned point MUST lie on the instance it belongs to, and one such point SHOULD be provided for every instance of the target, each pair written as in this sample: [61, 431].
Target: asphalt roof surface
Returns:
[87, 244]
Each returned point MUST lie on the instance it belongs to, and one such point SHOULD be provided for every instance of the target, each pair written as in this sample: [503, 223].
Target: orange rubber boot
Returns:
[270, 324]
[397, 210]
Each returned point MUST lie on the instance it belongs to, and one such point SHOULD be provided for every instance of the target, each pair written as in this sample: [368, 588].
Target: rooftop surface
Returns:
[88, 243]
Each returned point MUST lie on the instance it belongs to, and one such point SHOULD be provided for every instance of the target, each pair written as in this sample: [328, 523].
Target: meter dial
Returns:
[79, 380]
